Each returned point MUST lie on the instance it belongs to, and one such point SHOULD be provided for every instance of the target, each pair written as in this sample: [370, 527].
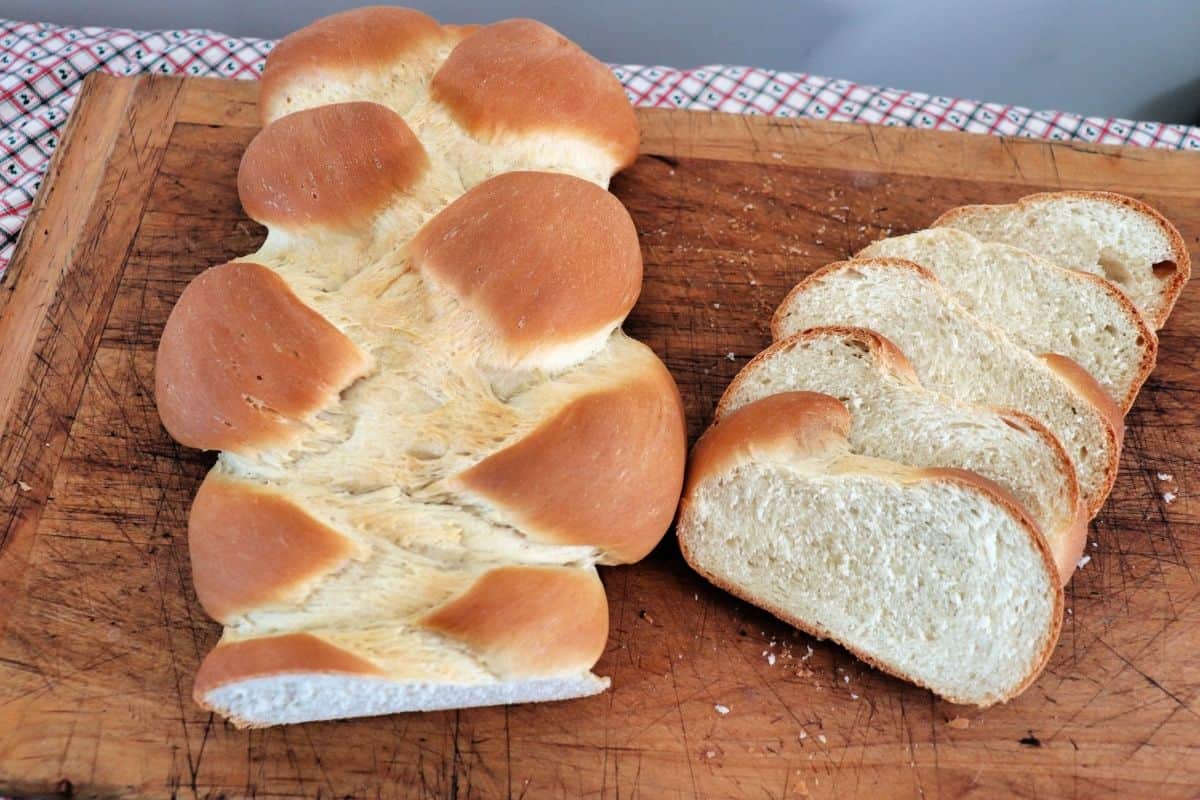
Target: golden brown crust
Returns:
[781, 312]
[460, 32]
[334, 165]
[362, 39]
[1067, 541]
[520, 76]
[974, 482]
[292, 653]
[1181, 258]
[543, 258]
[1090, 390]
[250, 546]
[789, 426]
[529, 621]
[243, 362]
[604, 471]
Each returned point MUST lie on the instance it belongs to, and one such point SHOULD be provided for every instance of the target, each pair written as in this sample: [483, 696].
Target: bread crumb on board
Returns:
[1169, 497]
[959, 723]
[23, 486]
[721, 709]
[1166, 477]
[1083, 562]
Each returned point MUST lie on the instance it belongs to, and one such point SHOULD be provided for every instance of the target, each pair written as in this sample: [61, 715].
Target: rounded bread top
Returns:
[242, 362]
[331, 166]
[522, 77]
[789, 428]
[543, 259]
[604, 471]
[371, 39]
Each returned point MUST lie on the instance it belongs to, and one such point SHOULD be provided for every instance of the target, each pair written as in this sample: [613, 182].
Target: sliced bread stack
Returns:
[909, 469]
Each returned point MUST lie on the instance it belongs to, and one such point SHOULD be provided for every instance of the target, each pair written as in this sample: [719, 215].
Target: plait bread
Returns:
[432, 427]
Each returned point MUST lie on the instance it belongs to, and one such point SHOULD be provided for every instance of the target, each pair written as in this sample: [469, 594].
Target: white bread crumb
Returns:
[23, 486]
[1083, 562]
[721, 709]
[1166, 476]
[1169, 497]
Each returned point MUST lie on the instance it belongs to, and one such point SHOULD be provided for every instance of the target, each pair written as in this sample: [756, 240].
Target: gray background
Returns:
[1130, 59]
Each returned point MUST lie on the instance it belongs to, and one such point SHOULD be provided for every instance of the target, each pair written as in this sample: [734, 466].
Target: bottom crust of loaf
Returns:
[310, 697]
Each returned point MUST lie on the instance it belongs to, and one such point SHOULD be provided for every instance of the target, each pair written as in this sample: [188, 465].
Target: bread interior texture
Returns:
[931, 580]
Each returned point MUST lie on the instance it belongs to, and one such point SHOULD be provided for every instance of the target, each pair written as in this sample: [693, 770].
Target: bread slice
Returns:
[893, 417]
[1106, 234]
[936, 576]
[955, 354]
[1044, 307]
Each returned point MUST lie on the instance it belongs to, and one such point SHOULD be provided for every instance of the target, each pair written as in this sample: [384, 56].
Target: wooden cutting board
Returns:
[101, 634]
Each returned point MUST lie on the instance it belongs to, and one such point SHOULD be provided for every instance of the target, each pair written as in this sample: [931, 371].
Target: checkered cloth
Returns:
[42, 68]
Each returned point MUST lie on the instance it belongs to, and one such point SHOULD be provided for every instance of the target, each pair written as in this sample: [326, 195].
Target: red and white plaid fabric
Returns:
[42, 69]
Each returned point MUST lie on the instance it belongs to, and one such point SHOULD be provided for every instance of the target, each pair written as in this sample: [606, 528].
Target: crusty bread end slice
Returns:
[936, 576]
[1107, 234]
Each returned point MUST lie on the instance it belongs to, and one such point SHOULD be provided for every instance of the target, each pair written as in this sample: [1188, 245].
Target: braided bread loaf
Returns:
[431, 425]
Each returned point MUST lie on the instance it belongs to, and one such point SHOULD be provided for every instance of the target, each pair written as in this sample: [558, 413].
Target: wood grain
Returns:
[101, 634]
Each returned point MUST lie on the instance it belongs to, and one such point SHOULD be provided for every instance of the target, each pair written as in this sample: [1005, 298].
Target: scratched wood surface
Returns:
[100, 631]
